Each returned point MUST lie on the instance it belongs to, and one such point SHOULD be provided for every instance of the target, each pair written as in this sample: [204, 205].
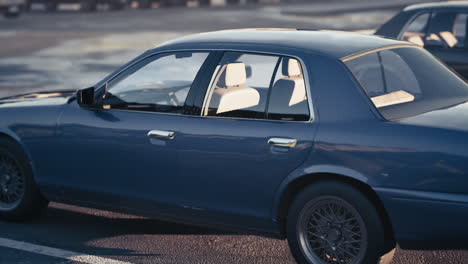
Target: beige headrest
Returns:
[235, 74]
[449, 38]
[294, 68]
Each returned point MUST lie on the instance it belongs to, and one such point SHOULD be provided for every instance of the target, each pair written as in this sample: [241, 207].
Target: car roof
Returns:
[330, 43]
[439, 5]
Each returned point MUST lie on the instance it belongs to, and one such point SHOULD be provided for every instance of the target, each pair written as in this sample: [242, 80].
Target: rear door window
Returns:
[240, 85]
[258, 86]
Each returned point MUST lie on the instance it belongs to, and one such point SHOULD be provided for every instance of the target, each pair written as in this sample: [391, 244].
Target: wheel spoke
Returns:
[11, 181]
[333, 232]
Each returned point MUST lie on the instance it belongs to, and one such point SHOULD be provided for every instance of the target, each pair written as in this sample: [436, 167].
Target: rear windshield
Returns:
[408, 81]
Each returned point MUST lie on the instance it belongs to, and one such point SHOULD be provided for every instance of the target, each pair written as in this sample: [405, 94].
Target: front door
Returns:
[122, 153]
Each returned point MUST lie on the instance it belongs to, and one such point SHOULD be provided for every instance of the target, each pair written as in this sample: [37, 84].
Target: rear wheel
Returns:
[333, 223]
[20, 198]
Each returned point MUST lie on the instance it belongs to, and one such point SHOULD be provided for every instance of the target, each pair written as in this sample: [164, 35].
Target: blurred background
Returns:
[71, 44]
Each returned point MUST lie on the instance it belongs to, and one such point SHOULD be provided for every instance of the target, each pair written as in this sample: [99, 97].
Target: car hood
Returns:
[38, 98]
[454, 117]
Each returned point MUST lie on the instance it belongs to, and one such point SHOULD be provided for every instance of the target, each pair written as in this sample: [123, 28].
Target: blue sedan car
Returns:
[342, 143]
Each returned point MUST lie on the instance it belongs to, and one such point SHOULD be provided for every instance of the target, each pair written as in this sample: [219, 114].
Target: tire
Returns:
[331, 222]
[88, 5]
[20, 198]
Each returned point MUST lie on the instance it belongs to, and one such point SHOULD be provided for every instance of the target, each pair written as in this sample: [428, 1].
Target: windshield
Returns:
[408, 81]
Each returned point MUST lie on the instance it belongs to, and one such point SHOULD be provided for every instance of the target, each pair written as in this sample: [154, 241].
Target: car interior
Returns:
[232, 97]
[447, 29]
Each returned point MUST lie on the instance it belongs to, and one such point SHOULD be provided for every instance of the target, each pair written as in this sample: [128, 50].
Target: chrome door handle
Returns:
[283, 142]
[161, 134]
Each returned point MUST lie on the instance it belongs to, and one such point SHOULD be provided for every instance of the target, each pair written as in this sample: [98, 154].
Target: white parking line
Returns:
[58, 253]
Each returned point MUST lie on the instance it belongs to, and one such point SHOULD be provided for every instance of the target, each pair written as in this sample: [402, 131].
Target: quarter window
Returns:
[404, 82]
[257, 86]
[160, 83]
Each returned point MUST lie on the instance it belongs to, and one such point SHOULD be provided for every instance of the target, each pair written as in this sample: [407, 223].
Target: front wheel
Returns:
[20, 198]
[333, 223]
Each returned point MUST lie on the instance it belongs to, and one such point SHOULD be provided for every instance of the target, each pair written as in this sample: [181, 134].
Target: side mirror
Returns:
[85, 97]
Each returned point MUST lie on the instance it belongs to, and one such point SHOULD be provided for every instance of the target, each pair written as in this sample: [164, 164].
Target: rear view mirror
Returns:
[85, 97]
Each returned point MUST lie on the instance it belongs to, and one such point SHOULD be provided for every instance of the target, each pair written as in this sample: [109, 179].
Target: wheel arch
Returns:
[294, 186]
[6, 133]
[14, 138]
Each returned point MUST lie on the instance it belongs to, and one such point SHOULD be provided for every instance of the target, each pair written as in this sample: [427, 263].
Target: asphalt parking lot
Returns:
[71, 50]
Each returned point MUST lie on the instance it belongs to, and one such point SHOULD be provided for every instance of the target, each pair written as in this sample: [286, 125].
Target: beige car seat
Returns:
[236, 95]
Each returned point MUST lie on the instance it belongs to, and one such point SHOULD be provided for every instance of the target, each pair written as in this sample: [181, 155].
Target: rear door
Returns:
[256, 127]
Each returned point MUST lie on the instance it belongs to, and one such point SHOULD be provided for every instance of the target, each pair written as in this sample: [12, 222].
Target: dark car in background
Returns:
[11, 8]
[441, 28]
[85, 5]
[167, 3]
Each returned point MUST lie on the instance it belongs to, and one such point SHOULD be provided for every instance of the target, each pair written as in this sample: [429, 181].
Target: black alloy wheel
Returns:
[11, 183]
[20, 198]
[334, 223]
